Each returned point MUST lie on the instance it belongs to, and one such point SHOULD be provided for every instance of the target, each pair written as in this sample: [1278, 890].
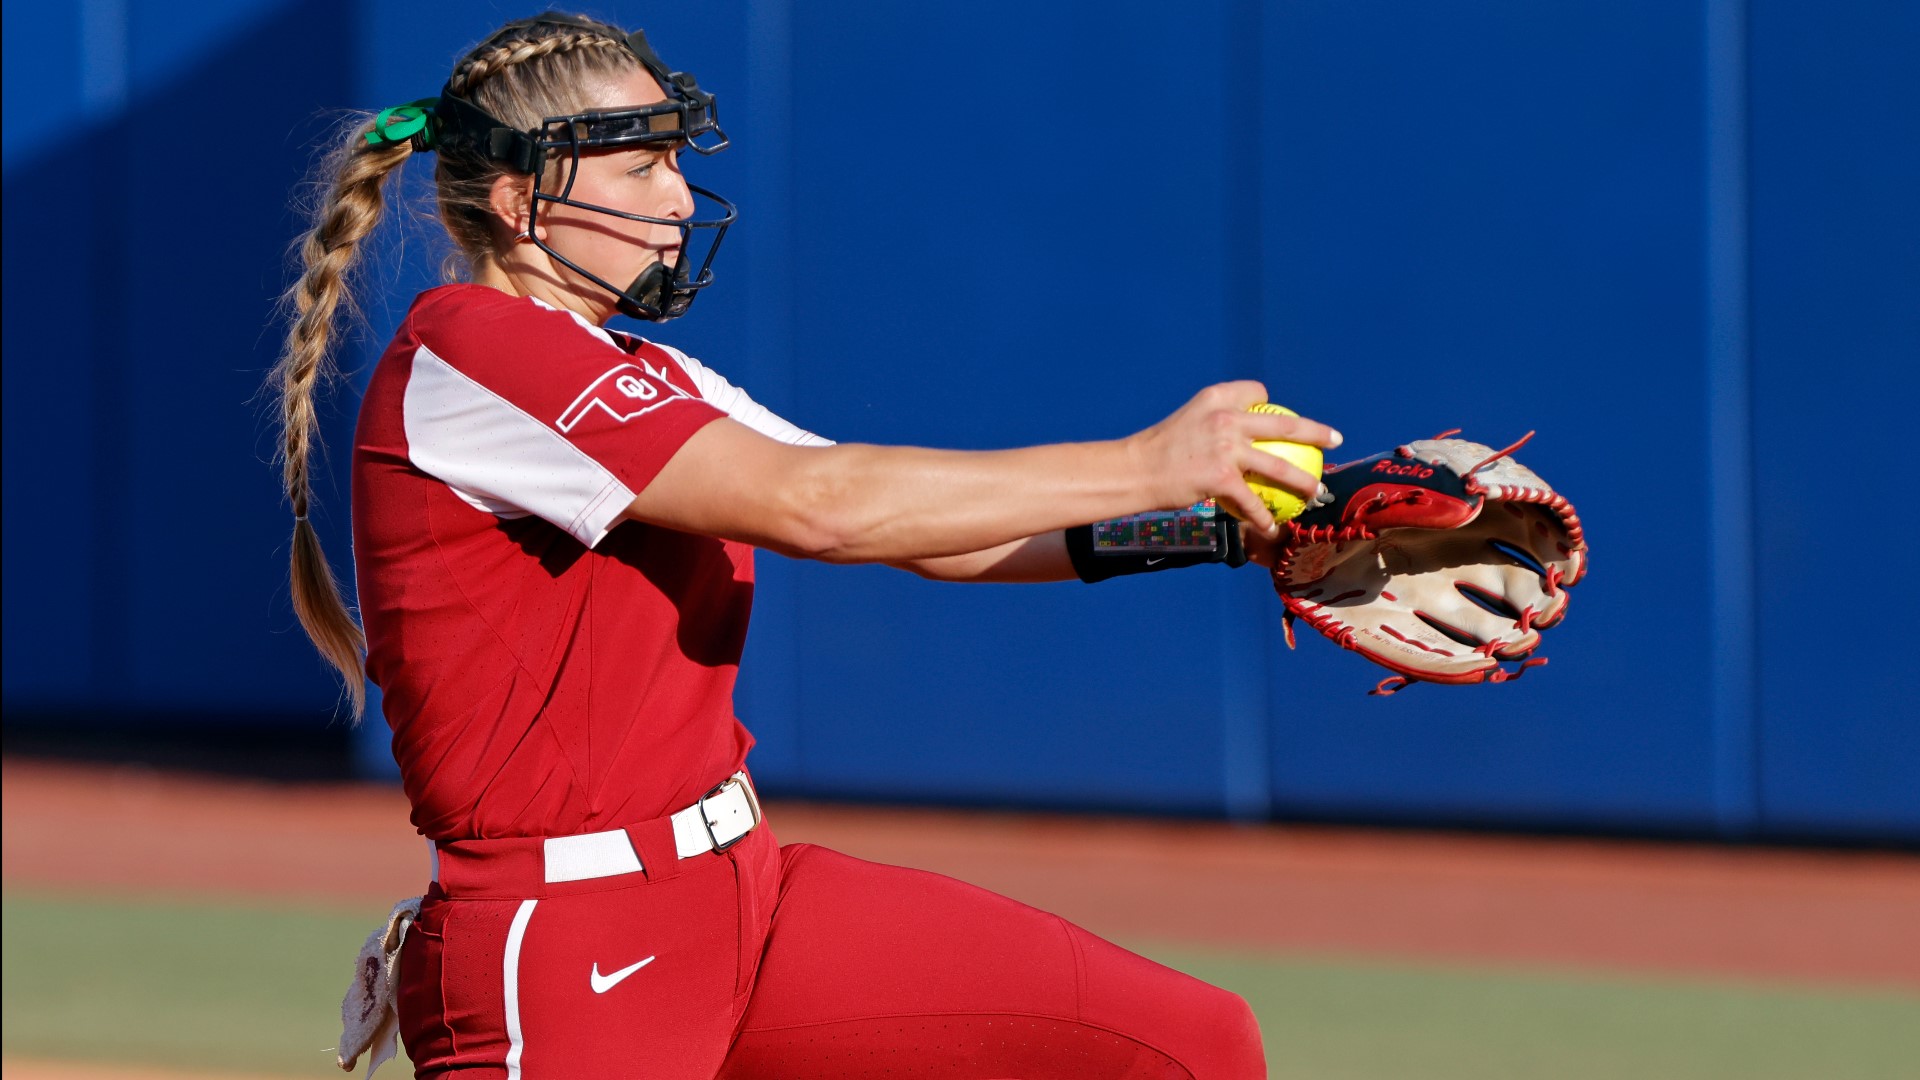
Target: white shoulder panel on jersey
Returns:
[734, 401]
[501, 460]
[717, 391]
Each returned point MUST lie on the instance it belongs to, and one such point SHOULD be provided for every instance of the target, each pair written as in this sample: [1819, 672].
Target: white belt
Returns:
[718, 821]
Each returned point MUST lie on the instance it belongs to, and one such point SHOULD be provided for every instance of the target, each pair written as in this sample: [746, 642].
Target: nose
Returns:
[678, 195]
[682, 199]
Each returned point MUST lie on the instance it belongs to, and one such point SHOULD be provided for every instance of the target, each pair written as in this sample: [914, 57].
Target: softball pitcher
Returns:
[554, 527]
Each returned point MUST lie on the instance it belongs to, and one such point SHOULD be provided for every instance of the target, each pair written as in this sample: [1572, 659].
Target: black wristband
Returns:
[1233, 542]
[1149, 543]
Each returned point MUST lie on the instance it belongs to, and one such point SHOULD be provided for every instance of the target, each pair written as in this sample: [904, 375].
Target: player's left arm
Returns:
[1040, 558]
[1034, 559]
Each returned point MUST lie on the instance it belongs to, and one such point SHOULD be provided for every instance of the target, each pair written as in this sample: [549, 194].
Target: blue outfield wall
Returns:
[1679, 239]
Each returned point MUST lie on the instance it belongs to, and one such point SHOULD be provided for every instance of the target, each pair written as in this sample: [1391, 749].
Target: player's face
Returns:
[637, 180]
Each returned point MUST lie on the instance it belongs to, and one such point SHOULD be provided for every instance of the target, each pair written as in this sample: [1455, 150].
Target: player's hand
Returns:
[1261, 548]
[1204, 450]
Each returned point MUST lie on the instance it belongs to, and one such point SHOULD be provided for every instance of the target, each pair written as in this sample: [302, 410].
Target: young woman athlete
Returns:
[554, 526]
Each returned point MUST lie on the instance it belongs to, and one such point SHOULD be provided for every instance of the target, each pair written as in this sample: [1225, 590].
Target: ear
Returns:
[511, 199]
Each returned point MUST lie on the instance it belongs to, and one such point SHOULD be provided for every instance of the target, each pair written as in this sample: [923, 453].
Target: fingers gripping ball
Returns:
[1285, 504]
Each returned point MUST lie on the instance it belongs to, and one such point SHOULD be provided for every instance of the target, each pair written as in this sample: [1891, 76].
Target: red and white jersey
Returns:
[547, 667]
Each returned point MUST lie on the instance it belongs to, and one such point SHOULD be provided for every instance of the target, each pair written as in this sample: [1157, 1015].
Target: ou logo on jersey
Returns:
[623, 393]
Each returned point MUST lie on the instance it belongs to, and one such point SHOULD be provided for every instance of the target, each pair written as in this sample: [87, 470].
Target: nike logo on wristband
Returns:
[1156, 562]
[603, 983]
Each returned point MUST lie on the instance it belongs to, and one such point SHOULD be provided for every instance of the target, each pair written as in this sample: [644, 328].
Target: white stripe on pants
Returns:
[510, 972]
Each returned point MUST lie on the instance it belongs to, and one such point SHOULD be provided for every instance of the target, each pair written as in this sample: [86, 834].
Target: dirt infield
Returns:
[1823, 916]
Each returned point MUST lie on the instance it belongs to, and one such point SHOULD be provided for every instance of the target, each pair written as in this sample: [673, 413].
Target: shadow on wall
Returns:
[144, 255]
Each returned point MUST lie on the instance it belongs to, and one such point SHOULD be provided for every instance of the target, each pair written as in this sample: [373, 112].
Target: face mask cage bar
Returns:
[661, 292]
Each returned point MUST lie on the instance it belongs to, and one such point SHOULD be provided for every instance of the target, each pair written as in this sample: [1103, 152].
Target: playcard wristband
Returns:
[1157, 540]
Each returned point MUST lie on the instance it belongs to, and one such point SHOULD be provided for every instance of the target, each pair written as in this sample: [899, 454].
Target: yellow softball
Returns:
[1285, 504]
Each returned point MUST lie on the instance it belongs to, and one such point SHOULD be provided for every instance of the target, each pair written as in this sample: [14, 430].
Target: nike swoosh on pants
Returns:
[603, 983]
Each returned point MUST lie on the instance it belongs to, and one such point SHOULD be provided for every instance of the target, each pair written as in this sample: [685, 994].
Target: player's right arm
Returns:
[856, 503]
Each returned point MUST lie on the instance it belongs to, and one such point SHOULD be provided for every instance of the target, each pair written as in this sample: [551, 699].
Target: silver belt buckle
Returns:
[746, 796]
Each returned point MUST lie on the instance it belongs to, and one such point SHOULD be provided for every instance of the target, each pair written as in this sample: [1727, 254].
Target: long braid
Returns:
[329, 252]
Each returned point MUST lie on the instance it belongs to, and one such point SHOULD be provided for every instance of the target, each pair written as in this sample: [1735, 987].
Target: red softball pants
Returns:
[788, 962]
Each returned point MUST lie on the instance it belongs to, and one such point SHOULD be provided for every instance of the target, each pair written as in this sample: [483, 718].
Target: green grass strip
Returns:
[187, 986]
[1342, 1019]
[243, 988]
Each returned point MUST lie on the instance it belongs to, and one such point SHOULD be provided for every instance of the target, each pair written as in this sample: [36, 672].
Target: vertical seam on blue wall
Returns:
[1730, 423]
[372, 738]
[105, 78]
[770, 330]
[1245, 702]
[104, 40]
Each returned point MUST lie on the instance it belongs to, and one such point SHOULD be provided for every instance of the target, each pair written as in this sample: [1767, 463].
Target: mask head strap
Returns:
[686, 115]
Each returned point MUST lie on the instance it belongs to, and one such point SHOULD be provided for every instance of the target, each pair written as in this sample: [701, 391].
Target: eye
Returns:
[641, 172]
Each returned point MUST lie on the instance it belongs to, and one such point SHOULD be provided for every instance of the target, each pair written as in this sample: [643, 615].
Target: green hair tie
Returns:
[404, 123]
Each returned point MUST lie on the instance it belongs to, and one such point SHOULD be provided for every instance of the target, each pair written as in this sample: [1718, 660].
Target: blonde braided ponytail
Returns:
[329, 252]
